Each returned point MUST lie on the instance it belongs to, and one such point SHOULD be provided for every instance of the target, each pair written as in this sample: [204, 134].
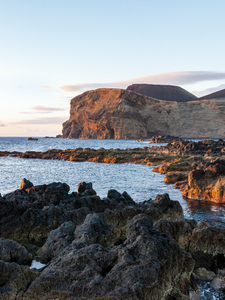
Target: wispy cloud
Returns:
[209, 91]
[42, 110]
[1, 124]
[48, 88]
[173, 78]
[41, 121]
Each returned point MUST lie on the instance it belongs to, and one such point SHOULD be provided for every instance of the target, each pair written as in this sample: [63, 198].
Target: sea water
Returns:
[139, 181]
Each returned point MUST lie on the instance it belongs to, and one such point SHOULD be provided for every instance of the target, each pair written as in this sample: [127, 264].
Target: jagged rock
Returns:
[57, 240]
[181, 230]
[207, 245]
[27, 216]
[14, 280]
[26, 184]
[11, 251]
[148, 265]
[207, 182]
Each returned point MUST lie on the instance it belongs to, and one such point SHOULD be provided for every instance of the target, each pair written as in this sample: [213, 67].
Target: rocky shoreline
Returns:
[110, 248]
[197, 168]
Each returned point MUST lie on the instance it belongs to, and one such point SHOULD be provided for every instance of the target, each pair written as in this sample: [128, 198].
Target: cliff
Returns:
[163, 92]
[124, 114]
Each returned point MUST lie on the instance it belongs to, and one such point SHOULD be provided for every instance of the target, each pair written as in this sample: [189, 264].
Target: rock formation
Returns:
[105, 249]
[124, 114]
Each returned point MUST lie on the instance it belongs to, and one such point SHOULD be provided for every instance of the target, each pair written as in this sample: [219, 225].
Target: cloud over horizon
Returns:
[43, 110]
[48, 88]
[171, 78]
[1, 124]
[209, 91]
[41, 121]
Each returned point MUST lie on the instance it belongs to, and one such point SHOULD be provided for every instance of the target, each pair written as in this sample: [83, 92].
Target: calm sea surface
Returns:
[138, 180]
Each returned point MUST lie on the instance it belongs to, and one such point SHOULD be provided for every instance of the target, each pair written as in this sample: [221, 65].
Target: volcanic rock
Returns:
[11, 251]
[207, 182]
[162, 92]
[124, 114]
[14, 280]
[147, 265]
[207, 245]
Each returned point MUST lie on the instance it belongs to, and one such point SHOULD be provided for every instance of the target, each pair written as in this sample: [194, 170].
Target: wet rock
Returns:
[148, 265]
[14, 280]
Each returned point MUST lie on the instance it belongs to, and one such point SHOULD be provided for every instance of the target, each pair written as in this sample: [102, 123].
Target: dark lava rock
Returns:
[26, 184]
[83, 186]
[181, 230]
[11, 251]
[207, 245]
[14, 280]
[148, 265]
[57, 240]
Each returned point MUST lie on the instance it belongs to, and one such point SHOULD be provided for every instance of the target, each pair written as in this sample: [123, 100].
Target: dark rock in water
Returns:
[14, 280]
[26, 184]
[148, 265]
[207, 182]
[32, 139]
[164, 139]
[11, 251]
[83, 186]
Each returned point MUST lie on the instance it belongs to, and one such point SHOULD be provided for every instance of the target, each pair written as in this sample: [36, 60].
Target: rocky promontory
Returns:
[125, 114]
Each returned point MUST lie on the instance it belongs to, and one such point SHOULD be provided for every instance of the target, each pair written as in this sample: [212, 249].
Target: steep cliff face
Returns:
[124, 114]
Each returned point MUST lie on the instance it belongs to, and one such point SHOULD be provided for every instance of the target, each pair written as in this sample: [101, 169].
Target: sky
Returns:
[54, 50]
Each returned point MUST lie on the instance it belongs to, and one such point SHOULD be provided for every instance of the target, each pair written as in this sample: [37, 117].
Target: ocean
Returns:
[137, 180]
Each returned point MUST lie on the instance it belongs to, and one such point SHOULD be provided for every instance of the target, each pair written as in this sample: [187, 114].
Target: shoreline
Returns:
[196, 168]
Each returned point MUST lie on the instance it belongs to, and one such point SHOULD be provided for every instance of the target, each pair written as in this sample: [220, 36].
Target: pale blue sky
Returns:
[53, 50]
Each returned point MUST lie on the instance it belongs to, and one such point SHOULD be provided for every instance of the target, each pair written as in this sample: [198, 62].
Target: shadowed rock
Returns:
[148, 265]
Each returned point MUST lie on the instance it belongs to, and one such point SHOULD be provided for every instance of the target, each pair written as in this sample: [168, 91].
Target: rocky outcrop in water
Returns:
[207, 182]
[124, 114]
